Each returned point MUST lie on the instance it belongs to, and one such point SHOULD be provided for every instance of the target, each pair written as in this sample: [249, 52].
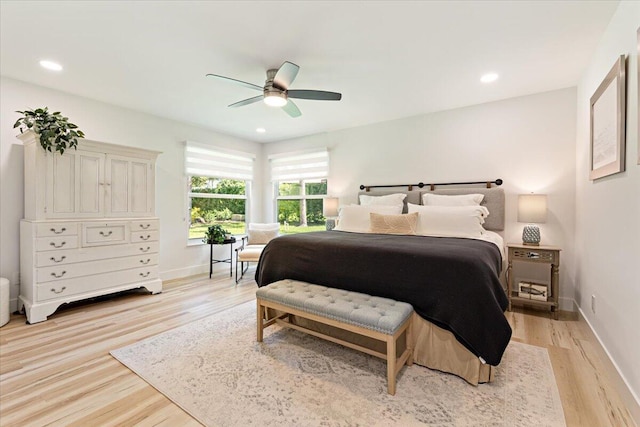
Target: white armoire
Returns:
[90, 227]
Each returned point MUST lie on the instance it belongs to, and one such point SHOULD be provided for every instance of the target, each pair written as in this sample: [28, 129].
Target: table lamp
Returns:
[532, 209]
[330, 211]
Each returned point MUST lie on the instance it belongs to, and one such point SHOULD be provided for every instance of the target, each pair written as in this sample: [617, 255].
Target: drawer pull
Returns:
[62, 258]
[145, 274]
[146, 238]
[62, 230]
[106, 235]
[57, 246]
[61, 274]
[145, 262]
[145, 250]
[144, 227]
[58, 292]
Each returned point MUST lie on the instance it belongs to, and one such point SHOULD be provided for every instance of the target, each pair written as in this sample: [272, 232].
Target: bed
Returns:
[453, 282]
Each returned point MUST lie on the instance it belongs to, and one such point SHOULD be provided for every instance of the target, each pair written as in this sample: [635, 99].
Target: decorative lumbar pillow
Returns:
[450, 221]
[393, 224]
[396, 199]
[261, 234]
[356, 218]
[452, 200]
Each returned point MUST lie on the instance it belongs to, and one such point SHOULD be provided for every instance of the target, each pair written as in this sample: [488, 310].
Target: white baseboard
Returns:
[179, 273]
[629, 397]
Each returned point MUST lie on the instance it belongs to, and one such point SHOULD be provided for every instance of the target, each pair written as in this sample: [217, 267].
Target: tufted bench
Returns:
[382, 319]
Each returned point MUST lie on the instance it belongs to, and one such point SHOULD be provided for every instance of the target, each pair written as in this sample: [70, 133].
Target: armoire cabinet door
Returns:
[129, 186]
[74, 184]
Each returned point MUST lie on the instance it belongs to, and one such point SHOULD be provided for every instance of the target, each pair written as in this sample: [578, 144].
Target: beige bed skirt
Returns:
[433, 347]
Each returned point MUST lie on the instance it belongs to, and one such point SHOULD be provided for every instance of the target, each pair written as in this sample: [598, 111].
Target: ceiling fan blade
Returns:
[292, 109]
[286, 75]
[245, 84]
[318, 95]
[247, 101]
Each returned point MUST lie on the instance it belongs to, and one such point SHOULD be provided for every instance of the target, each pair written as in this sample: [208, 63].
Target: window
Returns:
[219, 184]
[300, 185]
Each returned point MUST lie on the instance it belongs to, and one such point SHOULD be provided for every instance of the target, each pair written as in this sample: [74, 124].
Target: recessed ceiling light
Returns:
[489, 77]
[50, 65]
[261, 130]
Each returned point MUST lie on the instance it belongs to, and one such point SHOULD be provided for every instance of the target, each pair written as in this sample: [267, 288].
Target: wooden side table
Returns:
[230, 241]
[549, 255]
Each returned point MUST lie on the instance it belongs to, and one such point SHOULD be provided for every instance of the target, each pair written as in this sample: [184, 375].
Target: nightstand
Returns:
[532, 293]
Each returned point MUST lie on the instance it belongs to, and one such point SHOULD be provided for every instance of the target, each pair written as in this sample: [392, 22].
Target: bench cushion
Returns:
[375, 313]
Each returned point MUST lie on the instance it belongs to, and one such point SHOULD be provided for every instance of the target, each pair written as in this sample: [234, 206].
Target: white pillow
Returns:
[396, 199]
[356, 219]
[452, 200]
[450, 221]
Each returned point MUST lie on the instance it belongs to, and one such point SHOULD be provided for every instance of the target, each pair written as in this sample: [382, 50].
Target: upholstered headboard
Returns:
[493, 201]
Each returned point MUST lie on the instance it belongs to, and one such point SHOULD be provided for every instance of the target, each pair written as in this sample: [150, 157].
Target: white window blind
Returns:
[300, 165]
[205, 160]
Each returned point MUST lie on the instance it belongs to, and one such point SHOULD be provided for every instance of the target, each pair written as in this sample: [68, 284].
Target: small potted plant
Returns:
[56, 132]
[215, 234]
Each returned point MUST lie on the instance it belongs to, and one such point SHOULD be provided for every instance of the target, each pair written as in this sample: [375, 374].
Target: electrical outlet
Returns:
[593, 303]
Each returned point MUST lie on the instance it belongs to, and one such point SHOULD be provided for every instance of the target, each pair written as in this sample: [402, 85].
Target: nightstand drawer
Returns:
[533, 255]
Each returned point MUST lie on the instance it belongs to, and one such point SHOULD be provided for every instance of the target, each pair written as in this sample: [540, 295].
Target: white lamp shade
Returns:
[532, 208]
[330, 207]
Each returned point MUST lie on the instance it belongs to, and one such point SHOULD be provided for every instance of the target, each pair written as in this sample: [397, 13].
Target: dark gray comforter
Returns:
[451, 282]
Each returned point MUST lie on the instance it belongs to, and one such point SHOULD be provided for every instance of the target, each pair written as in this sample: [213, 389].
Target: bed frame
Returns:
[434, 347]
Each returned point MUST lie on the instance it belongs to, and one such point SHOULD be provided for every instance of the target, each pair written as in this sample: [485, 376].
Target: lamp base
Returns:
[531, 235]
[331, 224]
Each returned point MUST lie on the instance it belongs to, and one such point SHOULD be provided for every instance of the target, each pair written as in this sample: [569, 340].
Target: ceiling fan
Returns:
[276, 92]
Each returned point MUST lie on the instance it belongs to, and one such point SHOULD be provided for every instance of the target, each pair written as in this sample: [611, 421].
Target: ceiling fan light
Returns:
[275, 100]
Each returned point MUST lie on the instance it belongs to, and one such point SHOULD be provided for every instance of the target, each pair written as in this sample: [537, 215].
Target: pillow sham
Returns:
[393, 224]
[355, 218]
[396, 199]
[452, 200]
[450, 221]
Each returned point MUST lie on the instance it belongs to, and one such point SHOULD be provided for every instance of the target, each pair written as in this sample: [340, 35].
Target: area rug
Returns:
[216, 371]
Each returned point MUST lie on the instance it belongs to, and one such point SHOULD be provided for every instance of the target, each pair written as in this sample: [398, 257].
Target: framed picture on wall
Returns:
[608, 123]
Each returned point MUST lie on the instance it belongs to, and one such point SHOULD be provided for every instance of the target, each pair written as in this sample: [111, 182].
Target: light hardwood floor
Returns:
[59, 372]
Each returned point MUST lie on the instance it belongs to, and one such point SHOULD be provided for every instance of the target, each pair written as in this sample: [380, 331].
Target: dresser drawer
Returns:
[143, 225]
[71, 256]
[69, 271]
[56, 229]
[56, 243]
[144, 236]
[97, 234]
[62, 289]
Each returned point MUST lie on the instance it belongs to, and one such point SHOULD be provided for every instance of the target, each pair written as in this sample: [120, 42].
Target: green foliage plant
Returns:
[215, 234]
[56, 132]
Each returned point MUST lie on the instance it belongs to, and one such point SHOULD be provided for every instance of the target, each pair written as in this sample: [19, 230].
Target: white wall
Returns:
[107, 123]
[608, 212]
[528, 141]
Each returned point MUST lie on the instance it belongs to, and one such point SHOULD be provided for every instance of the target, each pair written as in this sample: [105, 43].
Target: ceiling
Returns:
[389, 59]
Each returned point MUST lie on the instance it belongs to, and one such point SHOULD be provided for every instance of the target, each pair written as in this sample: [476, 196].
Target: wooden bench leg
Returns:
[391, 365]
[260, 320]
